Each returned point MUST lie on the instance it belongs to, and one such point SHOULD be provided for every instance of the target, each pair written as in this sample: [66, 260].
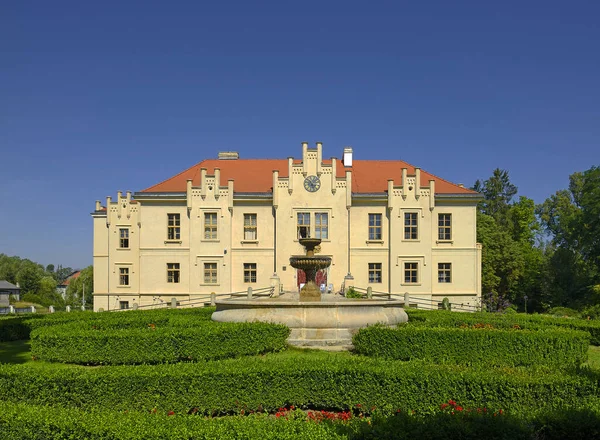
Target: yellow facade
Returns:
[222, 240]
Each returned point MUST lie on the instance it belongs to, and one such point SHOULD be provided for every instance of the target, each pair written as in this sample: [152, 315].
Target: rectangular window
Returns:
[374, 226]
[249, 272]
[250, 227]
[210, 226]
[124, 276]
[173, 227]
[124, 238]
[172, 272]
[411, 273]
[410, 226]
[374, 272]
[444, 226]
[321, 225]
[444, 272]
[303, 225]
[210, 273]
[123, 305]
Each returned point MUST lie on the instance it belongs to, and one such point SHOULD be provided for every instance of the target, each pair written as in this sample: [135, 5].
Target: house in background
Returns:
[62, 286]
[7, 289]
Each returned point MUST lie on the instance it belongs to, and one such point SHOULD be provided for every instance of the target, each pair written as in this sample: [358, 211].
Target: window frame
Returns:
[250, 271]
[375, 228]
[123, 305]
[249, 227]
[211, 272]
[375, 273]
[124, 280]
[210, 226]
[446, 228]
[123, 241]
[173, 226]
[173, 273]
[321, 227]
[446, 271]
[411, 271]
[410, 228]
[299, 225]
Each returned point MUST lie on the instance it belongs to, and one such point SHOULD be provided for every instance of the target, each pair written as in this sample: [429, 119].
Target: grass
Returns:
[15, 352]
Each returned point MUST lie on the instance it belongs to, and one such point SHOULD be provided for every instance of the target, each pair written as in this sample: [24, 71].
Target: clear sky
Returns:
[97, 97]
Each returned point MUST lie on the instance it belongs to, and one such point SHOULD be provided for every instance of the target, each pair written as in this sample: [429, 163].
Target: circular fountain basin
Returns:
[329, 323]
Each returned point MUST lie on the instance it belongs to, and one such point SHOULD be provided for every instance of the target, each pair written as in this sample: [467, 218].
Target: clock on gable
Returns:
[312, 183]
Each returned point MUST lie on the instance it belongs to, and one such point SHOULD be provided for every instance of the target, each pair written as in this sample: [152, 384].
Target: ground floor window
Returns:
[411, 273]
[374, 272]
[210, 273]
[124, 276]
[123, 305]
[444, 272]
[172, 272]
[249, 272]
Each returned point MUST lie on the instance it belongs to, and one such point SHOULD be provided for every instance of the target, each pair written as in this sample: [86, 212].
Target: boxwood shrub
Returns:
[443, 318]
[206, 340]
[270, 382]
[559, 348]
[33, 422]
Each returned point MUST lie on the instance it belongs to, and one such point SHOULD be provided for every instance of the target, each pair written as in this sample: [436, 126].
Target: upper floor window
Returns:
[250, 227]
[444, 272]
[172, 272]
[173, 227]
[411, 231]
[124, 238]
[123, 276]
[374, 272]
[375, 227]
[411, 273]
[210, 225]
[210, 273]
[303, 224]
[249, 272]
[444, 226]
[321, 225]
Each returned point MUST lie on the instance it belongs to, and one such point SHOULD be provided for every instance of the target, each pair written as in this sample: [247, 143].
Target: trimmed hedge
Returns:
[443, 318]
[559, 348]
[271, 382]
[14, 328]
[41, 423]
[207, 340]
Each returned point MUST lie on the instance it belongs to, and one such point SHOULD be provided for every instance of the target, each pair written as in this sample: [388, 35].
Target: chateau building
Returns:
[227, 224]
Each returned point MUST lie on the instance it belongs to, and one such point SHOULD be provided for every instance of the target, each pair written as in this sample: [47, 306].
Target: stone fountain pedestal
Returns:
[315, 320]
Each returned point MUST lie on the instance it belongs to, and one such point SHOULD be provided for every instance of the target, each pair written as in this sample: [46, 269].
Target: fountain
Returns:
[310, 265]
[314, 320]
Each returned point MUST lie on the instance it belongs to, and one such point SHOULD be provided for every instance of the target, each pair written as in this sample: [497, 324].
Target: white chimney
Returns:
[347, 158]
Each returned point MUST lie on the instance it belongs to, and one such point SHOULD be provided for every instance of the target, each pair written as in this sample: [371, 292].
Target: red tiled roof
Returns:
[72, 277]
[256, 175]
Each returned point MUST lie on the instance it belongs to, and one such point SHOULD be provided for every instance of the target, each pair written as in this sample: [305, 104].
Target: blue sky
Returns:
[97, 97]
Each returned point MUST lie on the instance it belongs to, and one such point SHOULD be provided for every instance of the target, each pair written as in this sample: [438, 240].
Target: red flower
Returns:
[452, 402]
[171, 413]
[442, 406]
[459, 408]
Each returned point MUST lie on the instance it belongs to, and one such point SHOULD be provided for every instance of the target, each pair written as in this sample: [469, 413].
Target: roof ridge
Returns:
[176, 175]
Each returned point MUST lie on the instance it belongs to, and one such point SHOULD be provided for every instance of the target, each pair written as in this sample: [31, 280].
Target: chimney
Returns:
[228, 155]
[347, 158]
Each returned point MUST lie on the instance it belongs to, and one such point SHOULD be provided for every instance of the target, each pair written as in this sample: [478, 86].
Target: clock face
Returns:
[312, 183]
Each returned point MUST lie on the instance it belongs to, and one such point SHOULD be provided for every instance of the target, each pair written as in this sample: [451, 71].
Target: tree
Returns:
[498, 192]
[50, 268]
[29, 277]
[84, 283]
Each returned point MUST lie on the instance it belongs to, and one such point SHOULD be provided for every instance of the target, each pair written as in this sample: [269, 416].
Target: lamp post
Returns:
[525, 297]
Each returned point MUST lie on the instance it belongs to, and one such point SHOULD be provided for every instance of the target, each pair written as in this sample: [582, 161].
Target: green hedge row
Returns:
[559, 348]
[206, 340]
[13, 328]
[273, 381]
[443, 318]
[41, 423]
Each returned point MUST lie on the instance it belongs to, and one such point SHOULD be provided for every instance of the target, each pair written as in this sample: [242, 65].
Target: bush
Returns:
[15, 328]
[89, 343]
[352, 293]
[559, 348]
[442, 318]
[252, 383]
